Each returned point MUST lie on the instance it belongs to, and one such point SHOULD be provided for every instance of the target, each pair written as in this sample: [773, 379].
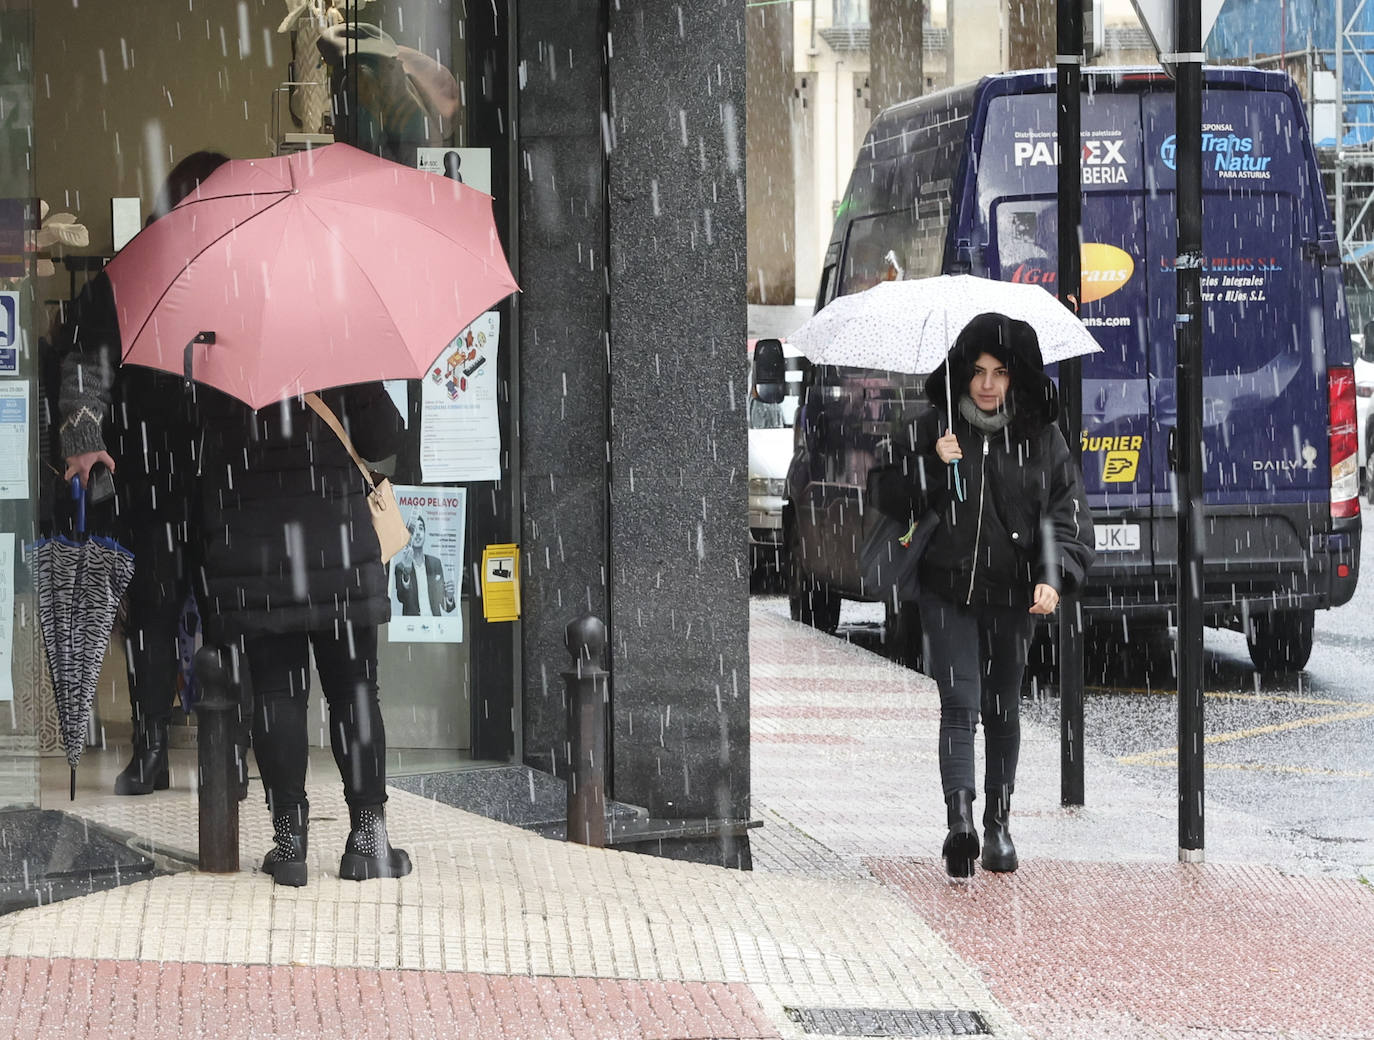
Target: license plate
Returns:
[1117, 537]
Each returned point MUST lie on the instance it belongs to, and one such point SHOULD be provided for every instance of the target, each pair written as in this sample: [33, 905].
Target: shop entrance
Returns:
[425, 83]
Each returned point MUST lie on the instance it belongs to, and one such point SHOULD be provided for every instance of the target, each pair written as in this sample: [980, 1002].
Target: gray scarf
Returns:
[986, 422]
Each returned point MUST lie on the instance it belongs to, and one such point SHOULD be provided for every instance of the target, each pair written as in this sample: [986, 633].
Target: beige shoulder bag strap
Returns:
[392, 533]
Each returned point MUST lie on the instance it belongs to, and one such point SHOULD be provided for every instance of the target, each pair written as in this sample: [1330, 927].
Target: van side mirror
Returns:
[770, 371]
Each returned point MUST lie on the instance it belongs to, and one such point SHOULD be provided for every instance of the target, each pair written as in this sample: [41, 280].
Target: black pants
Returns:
[151, 439]
[977, 656]
[279, 669]
[156, 595]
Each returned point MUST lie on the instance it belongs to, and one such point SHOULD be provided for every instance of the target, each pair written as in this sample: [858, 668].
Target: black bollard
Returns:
[587, 691]
[217, 725]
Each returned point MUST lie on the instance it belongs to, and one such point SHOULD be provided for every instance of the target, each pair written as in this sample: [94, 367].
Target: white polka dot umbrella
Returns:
[909, 326]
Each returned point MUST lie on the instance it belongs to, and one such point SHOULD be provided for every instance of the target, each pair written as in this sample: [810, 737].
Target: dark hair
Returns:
[1032, 400]
[185, 177]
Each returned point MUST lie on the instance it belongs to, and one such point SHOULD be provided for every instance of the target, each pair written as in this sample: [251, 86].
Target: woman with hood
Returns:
[1014, 533]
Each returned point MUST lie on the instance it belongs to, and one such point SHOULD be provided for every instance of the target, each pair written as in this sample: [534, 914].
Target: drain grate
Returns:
[896, 1022]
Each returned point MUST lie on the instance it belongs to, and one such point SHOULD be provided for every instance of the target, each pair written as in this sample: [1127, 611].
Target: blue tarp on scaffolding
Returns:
[1248, 29]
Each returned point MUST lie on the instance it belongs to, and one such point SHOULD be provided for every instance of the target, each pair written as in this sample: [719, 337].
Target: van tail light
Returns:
[1345, 445]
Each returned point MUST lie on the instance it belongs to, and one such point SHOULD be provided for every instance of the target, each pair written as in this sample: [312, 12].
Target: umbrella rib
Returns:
[206, 248]
[381, 301]
[416, 221]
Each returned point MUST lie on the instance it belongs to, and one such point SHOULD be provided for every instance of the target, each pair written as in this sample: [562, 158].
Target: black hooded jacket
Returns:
[1023, 519]
[288, 542]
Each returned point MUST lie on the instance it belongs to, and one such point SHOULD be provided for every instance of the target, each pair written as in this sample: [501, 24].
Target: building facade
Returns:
[613, 439]
[832, 96]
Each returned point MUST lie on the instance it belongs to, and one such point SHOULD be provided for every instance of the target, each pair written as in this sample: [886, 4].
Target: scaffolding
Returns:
[1335, 76]
[1353, 161]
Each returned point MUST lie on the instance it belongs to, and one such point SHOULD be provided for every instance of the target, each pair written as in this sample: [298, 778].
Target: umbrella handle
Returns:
[79, 495]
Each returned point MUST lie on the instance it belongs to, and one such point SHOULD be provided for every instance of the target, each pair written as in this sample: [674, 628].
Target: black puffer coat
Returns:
[1023, 519]
[288, 543]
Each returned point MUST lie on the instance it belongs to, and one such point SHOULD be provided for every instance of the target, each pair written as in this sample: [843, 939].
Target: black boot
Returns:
[286, 861]
[961, 845]
[999, 854]
[368, 853]
[147, 770]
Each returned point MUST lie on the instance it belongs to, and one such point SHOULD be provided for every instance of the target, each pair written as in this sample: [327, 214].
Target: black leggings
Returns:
[977, 656]
[279, 667]
[156, 595]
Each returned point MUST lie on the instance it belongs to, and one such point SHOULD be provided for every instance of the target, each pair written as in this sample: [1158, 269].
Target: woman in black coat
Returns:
[291, 562]
[1014, 533]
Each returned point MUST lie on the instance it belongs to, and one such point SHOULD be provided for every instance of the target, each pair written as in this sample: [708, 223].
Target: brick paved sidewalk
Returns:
[846, 920]
[1100, 933]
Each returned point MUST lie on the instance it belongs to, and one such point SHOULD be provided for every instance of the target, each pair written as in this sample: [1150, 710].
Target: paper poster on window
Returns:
[11, 333]
[471, 166]
[14, 438]
[6, 615]
[460, 438]
[426, 578]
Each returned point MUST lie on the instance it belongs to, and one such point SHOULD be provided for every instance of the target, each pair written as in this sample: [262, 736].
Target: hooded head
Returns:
[1031, 398]
[184, 178]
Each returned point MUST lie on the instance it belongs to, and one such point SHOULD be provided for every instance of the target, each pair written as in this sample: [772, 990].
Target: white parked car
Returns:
[1364, 397]
[770, 453]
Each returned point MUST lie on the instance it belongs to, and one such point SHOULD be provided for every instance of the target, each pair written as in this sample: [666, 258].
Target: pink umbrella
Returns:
[307, 271]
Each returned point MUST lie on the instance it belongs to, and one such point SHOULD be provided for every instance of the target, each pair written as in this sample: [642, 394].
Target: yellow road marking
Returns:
[1259, 767]
[1235, 695]
[1151, 757]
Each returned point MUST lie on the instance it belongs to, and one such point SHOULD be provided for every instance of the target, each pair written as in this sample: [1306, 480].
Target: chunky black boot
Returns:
[961, 845]
[368, 853]
[147, 770]
[286, 861]
[999, 854]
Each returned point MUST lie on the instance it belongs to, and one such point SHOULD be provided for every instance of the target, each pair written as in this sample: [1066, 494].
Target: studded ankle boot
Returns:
[999, 854]
[961, 844]
[286, 860]
[368, 853]
[147, 771]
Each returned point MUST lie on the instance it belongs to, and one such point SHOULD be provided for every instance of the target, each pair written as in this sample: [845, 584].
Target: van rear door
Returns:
[1266, 469]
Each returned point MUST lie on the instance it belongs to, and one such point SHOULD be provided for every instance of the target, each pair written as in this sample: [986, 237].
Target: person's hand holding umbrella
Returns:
[81, 465]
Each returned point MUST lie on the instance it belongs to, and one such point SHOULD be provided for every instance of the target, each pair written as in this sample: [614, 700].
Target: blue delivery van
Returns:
[965, 181]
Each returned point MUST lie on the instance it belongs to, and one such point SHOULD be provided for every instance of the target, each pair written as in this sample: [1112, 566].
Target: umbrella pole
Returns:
[949, 402]
[72, 796]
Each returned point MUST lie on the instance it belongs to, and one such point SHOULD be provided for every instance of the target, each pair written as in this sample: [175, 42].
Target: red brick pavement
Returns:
[1148, 950]
[825, 711]
[69, 999]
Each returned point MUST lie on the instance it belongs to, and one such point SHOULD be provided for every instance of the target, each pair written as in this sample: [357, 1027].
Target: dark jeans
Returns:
[279, 669]
[977, 655]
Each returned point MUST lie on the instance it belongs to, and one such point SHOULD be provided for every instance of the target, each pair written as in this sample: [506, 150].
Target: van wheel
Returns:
[1281, 641]
[903, 640]
[810, 601]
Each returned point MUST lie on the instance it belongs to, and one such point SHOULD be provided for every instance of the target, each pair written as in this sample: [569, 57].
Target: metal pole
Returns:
[1188, 448]
[1341, 244]
[216, 728]
[587, 698]
[1068, 86]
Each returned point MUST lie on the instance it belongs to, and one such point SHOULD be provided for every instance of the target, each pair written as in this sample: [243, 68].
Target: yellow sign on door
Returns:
[501, 582]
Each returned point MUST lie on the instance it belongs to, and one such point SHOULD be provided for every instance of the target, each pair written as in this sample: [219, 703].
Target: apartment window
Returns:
[850, 13]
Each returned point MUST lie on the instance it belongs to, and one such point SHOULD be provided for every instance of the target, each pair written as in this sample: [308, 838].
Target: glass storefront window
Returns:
[123, 93]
